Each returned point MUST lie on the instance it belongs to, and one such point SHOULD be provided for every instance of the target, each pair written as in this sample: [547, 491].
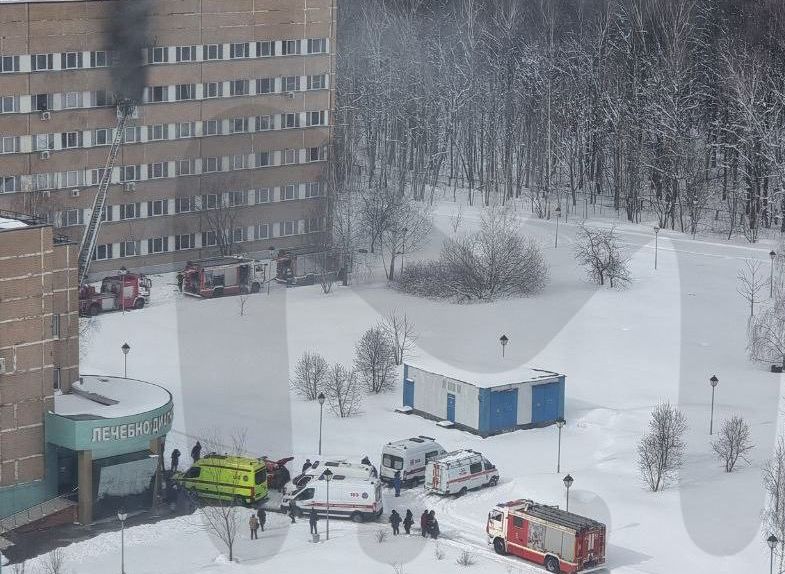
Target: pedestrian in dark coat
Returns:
[292, 510]
[253, 523]
[306, 465]
[313, 518]
[433, 525]
[196, 451]
[261, 514]
[395, 522]
[424, 523]
[180, 278]
[397, 483]
[407, 521]
[175, 460]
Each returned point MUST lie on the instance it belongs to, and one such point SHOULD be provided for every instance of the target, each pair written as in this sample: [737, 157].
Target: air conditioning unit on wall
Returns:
[74, 193]
[129, 186]
[46, 116]
[46, 154]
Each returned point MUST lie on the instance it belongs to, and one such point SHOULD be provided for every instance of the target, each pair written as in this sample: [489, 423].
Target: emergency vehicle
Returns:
[219, 276]
[409, 457]
[458, 472]
[561, 541]
[118, 292]
[359, 499]
[337, 467]
[242, 480]
[277, 473]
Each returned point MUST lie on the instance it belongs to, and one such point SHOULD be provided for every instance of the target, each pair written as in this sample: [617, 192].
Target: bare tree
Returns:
[221, 218]
[752, 283]
[375, 360]
[310, 376]
[733, 442]
[407, 228]
[342, 389]
[54, 563]
[597, 249]
[661, 450]
[19, 567]
[774, 512]
[766, 334]
[400, 330]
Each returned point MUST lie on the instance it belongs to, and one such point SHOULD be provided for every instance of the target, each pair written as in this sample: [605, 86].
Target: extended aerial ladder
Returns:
[125, 109]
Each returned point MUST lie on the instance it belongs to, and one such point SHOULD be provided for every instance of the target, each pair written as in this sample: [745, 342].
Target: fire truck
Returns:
[219, 276]
[561, 541]
[118, 292]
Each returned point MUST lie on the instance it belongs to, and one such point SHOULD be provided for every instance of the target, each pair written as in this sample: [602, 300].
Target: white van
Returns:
[355, 498]
[409, 457]
[337, 467]
[458, 472]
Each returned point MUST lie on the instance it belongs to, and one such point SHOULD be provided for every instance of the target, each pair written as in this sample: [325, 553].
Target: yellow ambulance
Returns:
[242, 480]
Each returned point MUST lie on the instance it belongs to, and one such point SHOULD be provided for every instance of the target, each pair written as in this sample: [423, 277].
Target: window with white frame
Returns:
[9, 104]
[265, 85]
[265, 49]
[183, 204]
[9, 183]
[158, 245]
[290, 83]
[71, 140]
[184, 167]
[289, 156]
[71, 60]
[238, 125]
[184, 92]
[103, 251]
[101, 98]
[289, 192]
[96, 174]
[185, 241]
[315, 118]
[185, 53]
[211, 164]
[9, 144]
[209, 239]
[102, 136]
[290, 121]
[240, 161]
[71, 217]
[129, 173]
[313, 225]
[317, 45]
[214, 52]
[209, 201]
[238, 234]
[238, 88]
[263, 123]
[290, 47]
[235, 198]
[130, 248]
[72, 100]
[213, 89]
[317, 82]
[211, 127]
[158, 94]
[262, 159]
[131, 135]
[72, 178]
[40, 62]
[57, 382]
[315, 153]
[157, 207]
[156, 132]
[107, 213]
[185, 130]
[158, 55]
[287, 228]
[261, 231]
[130, 211]
[158, 170]
[313, 189]
[43, 102]
[262, 195]
[99, 59]
[238, 50]
[43, 181]
[9, 64]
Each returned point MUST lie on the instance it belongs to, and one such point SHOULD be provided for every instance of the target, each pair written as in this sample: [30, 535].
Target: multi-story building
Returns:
[229, 138]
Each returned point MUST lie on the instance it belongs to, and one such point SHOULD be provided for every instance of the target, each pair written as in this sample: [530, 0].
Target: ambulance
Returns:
[239, 479]
[409, 457]
[359, 499]
[337, 467]
[458, 472]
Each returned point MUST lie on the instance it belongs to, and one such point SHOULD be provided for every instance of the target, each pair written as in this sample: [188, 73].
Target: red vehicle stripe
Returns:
[468, 476]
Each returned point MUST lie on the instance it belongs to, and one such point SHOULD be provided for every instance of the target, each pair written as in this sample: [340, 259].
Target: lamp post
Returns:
[773, 255]
[328, 476]
[559, 423]
[656, 244]
[320, 398]
[713, 382]
[568, 480]
[122, 515]
[503, 340]
[123, 273]
[126, 347]
[772, 541]
[558, 217]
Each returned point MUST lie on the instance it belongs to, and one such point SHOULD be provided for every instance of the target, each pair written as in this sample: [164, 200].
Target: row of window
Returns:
[164, 54]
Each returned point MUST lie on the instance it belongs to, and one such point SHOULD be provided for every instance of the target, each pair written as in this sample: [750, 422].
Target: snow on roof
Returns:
[8, 223]
[456, 456]
[98, 397]
[482, 373]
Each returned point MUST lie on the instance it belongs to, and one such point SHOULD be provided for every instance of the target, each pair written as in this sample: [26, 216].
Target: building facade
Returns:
[228, 141]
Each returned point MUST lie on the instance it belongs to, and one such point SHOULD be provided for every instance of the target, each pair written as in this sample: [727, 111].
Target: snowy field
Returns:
[622, 351]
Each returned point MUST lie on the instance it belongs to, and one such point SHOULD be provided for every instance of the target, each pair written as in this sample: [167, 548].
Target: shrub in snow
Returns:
[398, 568]
[766, 334]
[400, 331]
[310, 375]
[343, 392]
[774, 513]
[465, 559]
[54, 563]
[597, 249]
[733, 442]
[381, 536]
[661, 450]
[374, 360]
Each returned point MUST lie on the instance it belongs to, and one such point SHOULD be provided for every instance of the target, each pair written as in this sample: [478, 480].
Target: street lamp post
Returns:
[656, 244]
[123, 273]
[328, 476]
[126, 347]
[320, 398]
[773, 255]
[568, 480]
[772, 541]
[503, 340]
[713, 382]
[558, 217]
[122, 515]
[559, 423]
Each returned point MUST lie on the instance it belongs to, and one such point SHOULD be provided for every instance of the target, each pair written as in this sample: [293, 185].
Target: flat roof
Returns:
[99, 397]
[482, 374]
[8, 223]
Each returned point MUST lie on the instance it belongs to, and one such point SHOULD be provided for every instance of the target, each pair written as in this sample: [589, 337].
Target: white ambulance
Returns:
[337, 467]
[355, 498]
[409, 457]
[458, 472]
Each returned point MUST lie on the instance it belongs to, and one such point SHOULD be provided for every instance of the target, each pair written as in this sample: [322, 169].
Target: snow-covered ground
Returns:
[623, 351]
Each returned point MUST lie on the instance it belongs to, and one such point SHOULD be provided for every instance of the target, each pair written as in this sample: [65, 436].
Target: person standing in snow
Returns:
[261, 515]
[306, 465]
[292, 510]
[397, 483]
[424, 523]
[408, 521]
[196, 451]
[395, 522]
[313, 518]
[175, 460]
[180, 278]
[253, 523]
[433, 525]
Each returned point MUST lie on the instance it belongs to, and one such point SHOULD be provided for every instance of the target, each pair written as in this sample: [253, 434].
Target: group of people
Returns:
[429, 526]
[257, 520]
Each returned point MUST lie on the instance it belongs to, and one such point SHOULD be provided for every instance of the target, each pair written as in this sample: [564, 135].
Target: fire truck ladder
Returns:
[125, 110]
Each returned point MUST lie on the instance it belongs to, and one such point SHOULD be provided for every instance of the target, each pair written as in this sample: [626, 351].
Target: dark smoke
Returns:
[129, 34]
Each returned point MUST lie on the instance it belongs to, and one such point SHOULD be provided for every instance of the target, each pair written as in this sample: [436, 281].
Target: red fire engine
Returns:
[561, 541]
[219, 276]
[118, 292]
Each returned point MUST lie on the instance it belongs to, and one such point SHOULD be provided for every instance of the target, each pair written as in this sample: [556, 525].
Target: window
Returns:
[129, 211]
[315, 154]
[43, 102]
[238, 88]
[313, 189]
[431, 455]
[9, 64]
[261, 231]
[9, 183]
[208, 239]
[290, 47]
[157, 207]
[71, 139]
[72, 178]
[9, 104]
[265, 85]
[56, 325]
[290, 83]
[103, 251]
[289, 156]
[290, 121]
[158, 245]
[193, 472]
[235, 198]
[265, 49]
[102, 98]
[288, 228]
[238, 234]
[214, 52]
[71, 60]
[213, 89]
[238, 125]
[129, 173]
[476, 467]
[392, 461]
[56, 378]
[185, 92]
[209, 201]
[107, 213]
[9, 144]
[317, 45]
[131, 135]
[157, 55]
[97, 174]
[517, 521]
[210, 165]
[183, 204]
[71, 217]
[262, 195]
[263, 159]
[186, 241]
[318, 82]
[314, 118]
[487, 465]
[42, 62]
[101, 137]
[44, 142]
[43, 181]
[238, 50]
[240, 161]
[72, 100]
[211, 127]
[130, 248]
[159, 94]
[156, 132]
[185, 130]
[185, 53]
[313, 225]
[184, 167]
[263, 123]
[290, 192]
[158, 170]
[99, 59]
